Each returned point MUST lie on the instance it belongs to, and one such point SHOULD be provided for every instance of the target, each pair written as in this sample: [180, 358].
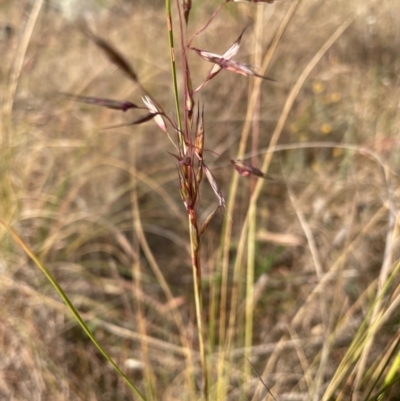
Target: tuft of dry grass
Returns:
[310, 291]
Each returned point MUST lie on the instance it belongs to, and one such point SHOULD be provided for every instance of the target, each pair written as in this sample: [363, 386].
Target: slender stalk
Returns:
[140, 316]
[198, 296]
[173, 70]
[71, 307]
[251, 240]
[208, 22]
[16, 70]
[227, 337]
[189, 188]
[249, 300]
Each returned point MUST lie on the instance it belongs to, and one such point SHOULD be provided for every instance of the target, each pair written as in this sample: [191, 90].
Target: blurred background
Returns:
[101, 207]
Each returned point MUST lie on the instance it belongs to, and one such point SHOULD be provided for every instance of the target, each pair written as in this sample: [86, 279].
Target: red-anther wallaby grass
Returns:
[200, 201]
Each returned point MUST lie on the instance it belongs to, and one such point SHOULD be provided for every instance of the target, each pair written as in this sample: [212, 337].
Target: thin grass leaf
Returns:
[153, 108]
[19, 241]
[214, 186]
[138, 121]
[108, 103]
[260, 378]
[114, 56]
[246, 169]
[229, 65]
[379, 395]
[208, 220]
[227, 56]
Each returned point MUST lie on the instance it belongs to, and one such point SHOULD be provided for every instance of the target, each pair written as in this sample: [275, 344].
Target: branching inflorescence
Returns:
[190, 144]
[187, 137]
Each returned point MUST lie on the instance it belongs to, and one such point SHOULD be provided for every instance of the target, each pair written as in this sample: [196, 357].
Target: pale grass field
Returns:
[101, 208]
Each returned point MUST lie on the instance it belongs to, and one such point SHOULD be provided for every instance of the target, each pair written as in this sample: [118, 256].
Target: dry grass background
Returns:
[327, 225]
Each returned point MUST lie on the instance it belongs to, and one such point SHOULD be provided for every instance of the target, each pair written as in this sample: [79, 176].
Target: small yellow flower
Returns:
[336, 97]
[318, 87]
[326, 129]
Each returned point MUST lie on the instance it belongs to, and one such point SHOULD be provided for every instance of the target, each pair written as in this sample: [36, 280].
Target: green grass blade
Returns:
[173, 65]
[76, 314]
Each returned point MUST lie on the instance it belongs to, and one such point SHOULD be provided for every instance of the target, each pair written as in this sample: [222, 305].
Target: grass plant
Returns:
[286, 165]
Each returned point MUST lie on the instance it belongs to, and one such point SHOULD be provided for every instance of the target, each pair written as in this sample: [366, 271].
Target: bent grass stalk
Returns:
[71, 307]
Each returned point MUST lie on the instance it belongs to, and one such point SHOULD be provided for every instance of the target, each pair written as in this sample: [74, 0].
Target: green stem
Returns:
[251, 240]
[198, 297]
[76, 314]
[193, 228]
[173, 70]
